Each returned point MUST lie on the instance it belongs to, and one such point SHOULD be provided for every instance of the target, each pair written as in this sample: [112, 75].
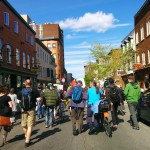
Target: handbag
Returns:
[5, 121]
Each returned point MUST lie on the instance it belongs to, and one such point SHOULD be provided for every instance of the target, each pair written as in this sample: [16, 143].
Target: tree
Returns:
[107, 62]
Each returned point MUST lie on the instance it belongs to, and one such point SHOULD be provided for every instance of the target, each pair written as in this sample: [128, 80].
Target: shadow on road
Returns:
[21, 136]
[45, 134]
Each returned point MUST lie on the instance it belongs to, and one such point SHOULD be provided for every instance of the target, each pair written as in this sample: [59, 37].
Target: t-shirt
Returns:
[93, 96]
[35, 95]
[4, 105]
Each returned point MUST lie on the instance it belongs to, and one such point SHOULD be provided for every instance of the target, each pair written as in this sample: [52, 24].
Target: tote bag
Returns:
[5, 121]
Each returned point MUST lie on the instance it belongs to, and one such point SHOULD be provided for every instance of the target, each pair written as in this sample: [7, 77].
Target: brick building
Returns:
[142, 41]
[17, 48]
[52, 37]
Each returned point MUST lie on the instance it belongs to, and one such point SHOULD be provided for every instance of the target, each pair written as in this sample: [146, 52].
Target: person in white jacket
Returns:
[13, 97]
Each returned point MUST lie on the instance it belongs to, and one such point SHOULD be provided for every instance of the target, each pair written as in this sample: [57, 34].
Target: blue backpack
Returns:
[77, 94]
[27, 102]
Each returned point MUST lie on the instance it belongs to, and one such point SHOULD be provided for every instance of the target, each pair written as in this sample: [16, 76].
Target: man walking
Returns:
[51, 97]
[132, 94]
[114, 97]
[27, 97]
[78, 95]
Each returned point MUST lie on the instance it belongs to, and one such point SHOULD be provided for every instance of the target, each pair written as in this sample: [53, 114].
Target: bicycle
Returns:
[104, 107]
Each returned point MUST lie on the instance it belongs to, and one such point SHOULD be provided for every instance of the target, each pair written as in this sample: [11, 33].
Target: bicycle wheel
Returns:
[107, 127]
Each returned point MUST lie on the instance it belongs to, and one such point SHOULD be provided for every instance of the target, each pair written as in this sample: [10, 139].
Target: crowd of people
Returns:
[45, 102]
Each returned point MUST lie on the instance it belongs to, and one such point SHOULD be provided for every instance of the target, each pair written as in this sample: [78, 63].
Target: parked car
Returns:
[144, 106]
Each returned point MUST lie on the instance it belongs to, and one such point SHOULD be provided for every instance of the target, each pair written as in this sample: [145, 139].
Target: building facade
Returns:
[142, 40]
[128, 43]
[47, 65]
[52, 37]
[17, 48]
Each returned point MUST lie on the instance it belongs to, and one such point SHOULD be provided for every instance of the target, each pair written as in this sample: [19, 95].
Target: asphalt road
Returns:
[60, 137]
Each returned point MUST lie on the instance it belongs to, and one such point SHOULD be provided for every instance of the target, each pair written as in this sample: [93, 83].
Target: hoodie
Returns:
[132, 92]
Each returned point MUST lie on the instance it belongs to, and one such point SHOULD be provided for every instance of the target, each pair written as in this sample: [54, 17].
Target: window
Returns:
[142, 33]
[15, 26]
[1, 58]
[138, 58]
[148, 28]
[49, 46]
[54, 56]
[24, 60]
[148, 56]
[54, 45]
[8, 48]
[6, 18]
[28, 61]
[137, 38]
[26, 36]
[17, 57]
[33, 63]
[32, 40]
[143, 59]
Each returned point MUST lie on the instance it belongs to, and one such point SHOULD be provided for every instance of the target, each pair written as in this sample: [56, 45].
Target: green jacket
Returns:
[132, 92]
[51, 97]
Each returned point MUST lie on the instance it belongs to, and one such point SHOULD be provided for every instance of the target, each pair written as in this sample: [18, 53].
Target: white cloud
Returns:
[81, 45]
[98, 22]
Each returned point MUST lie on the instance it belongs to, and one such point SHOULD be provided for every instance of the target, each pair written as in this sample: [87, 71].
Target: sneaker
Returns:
[75, 132]
[136, 128]
[115, 126]
[91, 131]
[27, 144]
[46, 126]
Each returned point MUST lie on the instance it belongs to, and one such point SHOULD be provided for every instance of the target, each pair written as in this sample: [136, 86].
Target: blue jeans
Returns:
[49, 116]
[40, 110]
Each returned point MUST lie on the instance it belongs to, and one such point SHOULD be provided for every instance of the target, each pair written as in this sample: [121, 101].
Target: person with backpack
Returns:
[51, 98]
[27, 97]
[94, 96]
[78, 96]
[113, 96]
[132, 95]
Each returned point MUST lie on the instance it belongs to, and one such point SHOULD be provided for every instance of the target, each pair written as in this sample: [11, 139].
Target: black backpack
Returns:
[27, 99]
[114, 94]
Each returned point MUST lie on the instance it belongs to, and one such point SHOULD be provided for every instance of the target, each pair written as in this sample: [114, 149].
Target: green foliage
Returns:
[107, 62]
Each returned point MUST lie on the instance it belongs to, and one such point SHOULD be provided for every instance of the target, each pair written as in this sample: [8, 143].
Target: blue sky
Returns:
[84, 23]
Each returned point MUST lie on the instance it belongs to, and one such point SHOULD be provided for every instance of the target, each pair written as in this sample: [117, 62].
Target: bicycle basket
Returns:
[103, 106]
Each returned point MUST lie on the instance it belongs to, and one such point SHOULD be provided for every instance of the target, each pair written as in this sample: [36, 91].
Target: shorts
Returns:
[28, 118]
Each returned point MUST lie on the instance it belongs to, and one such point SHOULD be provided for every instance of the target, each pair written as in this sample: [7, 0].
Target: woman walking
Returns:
[5, 113]
[94, 95]
[13, 97]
